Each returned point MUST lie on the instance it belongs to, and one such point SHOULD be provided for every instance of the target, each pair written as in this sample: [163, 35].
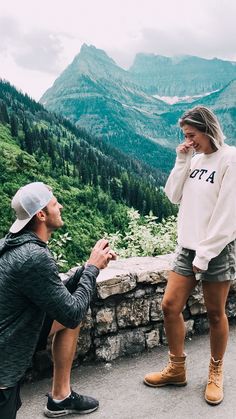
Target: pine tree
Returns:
[14, 125]
[4, 118]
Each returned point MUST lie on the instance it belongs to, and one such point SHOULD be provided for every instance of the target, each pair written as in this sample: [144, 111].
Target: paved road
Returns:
[122, 394]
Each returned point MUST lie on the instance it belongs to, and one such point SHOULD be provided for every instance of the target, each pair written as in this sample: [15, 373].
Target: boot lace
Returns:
[167, 369]
[215, 375]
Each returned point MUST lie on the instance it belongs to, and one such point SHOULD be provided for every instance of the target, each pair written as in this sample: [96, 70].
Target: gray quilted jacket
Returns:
[30, 286]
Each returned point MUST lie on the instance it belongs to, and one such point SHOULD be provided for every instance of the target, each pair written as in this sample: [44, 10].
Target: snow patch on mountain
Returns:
[171, 100]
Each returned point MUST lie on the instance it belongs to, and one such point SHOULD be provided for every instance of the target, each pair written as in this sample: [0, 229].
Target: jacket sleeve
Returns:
[175, 182]
[71, 282]
[42, 285]
[222, 226]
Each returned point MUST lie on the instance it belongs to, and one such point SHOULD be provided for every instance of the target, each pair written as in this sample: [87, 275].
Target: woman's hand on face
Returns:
[184, 147]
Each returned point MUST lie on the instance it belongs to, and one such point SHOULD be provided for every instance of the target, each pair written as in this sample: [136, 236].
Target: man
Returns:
[30, 286]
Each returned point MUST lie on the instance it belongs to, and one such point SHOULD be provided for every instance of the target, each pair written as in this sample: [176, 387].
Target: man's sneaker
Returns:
[75, 403]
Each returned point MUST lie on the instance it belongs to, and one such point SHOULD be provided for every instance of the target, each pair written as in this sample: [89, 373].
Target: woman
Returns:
[203, 182]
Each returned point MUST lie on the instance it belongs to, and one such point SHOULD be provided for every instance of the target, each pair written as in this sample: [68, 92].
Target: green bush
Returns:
[144, 236]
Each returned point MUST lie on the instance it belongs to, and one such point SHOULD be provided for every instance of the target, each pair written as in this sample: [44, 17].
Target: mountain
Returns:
[181, 75]
[96, 94]
[119, 106]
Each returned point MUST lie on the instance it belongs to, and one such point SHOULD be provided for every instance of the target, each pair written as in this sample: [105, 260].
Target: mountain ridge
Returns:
[115, 106]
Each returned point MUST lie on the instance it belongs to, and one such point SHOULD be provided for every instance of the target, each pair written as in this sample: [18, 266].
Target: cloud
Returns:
[40, 39]
[9, 30]
[40, 51]
[34, 50]
[205, 42]
[206, 30]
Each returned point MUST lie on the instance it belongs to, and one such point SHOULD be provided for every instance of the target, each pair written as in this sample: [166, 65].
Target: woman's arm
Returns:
[222, 226]
[178, 175]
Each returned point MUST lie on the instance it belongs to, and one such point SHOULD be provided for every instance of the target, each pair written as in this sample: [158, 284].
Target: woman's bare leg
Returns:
[178, 289]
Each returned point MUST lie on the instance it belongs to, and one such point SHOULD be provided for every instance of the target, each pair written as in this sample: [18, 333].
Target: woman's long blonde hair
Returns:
[205, 121]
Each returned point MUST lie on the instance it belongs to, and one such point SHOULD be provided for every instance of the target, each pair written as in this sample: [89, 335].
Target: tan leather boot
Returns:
[214, 389]
[174, 373]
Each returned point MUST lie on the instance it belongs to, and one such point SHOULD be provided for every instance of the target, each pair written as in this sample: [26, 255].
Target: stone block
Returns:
[125, 343]
[189, 326]
[233, 287]
[150, 277]
[85, 339]
[84, 342]
[105, 321]
[133, 313]
[231, 307]
[152, 339]
[196, 302]
[87, 323]
[117, 285]
[108, 349]
[156, 313]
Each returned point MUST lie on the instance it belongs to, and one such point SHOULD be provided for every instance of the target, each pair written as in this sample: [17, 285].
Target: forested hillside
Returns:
[94, 182]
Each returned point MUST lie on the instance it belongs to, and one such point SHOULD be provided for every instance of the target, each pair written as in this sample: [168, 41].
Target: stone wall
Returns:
[126, 316]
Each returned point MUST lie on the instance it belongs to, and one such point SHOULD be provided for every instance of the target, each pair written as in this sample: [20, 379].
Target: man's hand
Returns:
[101, 254]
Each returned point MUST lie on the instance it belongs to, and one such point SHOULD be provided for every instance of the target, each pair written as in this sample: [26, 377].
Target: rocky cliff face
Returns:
[180, 76]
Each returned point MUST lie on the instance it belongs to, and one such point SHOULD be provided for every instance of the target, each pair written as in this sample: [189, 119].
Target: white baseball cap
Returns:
[27, 201]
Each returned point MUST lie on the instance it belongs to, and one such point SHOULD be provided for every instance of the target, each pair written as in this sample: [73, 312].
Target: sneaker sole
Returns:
[172, 383]
[65, 412]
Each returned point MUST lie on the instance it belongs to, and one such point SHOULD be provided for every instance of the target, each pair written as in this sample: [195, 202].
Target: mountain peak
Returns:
[91, 53]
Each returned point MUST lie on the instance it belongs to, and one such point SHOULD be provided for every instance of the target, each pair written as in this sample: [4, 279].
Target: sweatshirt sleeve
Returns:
[42, 285]
[222, 226]
[175, 182]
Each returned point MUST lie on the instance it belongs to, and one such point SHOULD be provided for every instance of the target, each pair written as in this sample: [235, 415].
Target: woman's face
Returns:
[197, 139]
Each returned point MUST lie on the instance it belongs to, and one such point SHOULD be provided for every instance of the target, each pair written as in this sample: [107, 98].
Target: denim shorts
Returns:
[221, 268]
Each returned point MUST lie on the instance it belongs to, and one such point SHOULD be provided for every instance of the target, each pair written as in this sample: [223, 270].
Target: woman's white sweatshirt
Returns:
[205, 187]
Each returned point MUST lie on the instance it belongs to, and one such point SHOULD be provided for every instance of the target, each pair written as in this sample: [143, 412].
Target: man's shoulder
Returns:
[31, 248]
[38, 252]
[33, 255]
[37, 261]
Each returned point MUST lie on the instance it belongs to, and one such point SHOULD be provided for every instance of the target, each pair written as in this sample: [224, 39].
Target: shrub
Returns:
[144, 236]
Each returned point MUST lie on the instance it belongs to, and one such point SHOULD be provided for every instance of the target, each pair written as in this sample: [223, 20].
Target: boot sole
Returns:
[215, 402]
[178, 384]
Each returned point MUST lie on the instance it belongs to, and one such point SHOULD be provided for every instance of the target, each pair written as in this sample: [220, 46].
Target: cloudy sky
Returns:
[38, 40]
